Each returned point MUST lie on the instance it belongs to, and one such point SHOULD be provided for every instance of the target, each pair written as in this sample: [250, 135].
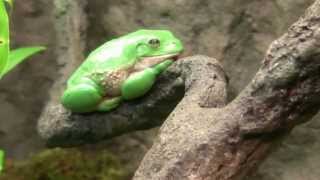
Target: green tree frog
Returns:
[124, 68]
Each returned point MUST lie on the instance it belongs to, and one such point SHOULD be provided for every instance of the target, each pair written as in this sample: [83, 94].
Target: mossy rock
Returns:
[61, 164]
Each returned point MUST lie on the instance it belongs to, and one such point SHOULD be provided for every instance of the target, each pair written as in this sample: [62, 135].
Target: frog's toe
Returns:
[81, 98]
[109, 104]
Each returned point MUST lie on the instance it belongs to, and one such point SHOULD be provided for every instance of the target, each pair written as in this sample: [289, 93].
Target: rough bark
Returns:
[230, 142]
[197, 142]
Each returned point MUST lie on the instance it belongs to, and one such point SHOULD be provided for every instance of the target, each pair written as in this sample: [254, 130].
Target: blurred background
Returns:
[235, 32]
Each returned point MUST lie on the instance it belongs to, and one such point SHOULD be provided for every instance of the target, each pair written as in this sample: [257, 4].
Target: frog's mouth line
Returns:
[150, 61]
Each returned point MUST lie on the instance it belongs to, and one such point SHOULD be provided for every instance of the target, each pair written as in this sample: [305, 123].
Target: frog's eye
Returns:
[154, 43]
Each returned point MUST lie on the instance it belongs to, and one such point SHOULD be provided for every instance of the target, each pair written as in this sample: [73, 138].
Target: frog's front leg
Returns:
[139, 83]
[159, 68]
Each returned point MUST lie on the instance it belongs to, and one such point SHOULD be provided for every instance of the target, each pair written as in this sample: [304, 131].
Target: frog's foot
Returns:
[81, 98]
[162, 66]
[109, 104]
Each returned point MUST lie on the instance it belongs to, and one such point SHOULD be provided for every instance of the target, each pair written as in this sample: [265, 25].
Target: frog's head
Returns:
[155, 46]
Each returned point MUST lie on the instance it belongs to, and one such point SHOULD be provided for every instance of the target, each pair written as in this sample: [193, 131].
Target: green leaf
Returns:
[1, 160]
[4, 37]
[10, 2]
[19, 55]
[9, 60]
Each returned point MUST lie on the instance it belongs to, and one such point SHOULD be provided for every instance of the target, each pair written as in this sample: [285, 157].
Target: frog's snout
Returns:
[177, 44]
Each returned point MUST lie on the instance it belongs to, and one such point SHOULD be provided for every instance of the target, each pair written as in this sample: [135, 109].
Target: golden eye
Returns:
[154, 43]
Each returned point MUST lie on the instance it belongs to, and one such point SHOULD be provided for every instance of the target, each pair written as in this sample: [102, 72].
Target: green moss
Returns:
[61, 164]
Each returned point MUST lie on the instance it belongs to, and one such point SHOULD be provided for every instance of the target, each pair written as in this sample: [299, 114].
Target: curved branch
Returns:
[229, 143]
[202, 79]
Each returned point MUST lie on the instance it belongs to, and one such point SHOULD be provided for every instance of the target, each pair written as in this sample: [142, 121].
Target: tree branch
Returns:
[201, 77]
[230, 142]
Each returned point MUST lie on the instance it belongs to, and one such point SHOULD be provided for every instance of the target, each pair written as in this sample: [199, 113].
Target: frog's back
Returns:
[107, 57]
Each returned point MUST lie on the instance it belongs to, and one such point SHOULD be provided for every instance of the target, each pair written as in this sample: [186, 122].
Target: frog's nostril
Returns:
[174, 43]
